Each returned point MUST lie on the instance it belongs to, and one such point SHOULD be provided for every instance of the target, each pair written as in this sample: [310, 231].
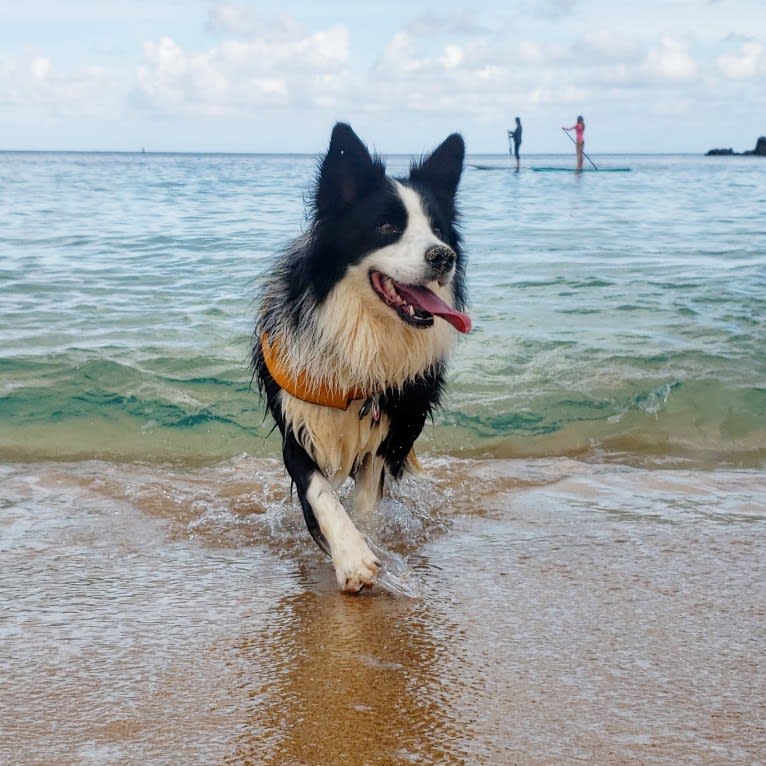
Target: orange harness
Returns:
[301, 386]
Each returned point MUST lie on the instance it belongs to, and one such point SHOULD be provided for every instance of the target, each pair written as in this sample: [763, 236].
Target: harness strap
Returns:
[301, 386]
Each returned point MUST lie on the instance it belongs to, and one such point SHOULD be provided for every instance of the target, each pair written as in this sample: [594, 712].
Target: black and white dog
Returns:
[356, 322]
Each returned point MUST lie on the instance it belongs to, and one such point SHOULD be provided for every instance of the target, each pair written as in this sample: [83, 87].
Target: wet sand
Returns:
[565, 613]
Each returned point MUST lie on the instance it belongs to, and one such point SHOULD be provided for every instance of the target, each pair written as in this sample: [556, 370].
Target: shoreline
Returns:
[565, 613]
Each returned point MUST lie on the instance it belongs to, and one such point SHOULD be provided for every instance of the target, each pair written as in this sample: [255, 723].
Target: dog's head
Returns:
[398, 236]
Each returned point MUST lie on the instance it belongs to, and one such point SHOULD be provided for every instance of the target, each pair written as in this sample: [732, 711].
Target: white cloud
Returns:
[438, 76]
[532, 53]
[526, 53]
[672, 107]
[668, 64]
[671, 62]
[607, 45]
[482, 75]
[555, 96]
[241, 22]
[40, 68]
[460, 25]
[453, 56]
[34, 83]
[238, 75]
[551, 9]
[537, 58]
[750, 63]
[226, 18]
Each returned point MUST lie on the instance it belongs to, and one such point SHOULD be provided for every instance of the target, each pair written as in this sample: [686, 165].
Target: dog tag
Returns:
[371, 405]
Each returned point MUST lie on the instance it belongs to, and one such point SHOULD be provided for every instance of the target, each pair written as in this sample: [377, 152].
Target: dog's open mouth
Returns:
[416, 304]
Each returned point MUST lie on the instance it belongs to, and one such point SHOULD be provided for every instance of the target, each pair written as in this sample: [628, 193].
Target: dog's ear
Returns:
[441, 170]
[348, 172]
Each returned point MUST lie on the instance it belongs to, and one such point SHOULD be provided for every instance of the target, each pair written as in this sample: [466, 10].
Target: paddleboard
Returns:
[492, 167]
[584, 170]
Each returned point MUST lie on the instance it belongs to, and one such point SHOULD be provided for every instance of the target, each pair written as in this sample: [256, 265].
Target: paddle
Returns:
[575, 143]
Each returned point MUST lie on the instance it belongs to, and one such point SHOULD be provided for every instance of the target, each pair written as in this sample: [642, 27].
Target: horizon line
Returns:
[321, 152]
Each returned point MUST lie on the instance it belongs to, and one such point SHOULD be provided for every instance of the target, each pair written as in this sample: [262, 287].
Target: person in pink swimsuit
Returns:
[579, 128]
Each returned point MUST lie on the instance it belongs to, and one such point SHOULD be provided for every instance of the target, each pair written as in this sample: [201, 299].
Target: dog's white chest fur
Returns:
[337, 440]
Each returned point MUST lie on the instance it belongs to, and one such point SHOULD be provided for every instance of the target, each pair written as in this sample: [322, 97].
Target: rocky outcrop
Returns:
[759, 151]
[760, 147]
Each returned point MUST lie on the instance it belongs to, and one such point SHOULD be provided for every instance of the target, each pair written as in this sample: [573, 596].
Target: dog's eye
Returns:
[438, 232]
[388, 229]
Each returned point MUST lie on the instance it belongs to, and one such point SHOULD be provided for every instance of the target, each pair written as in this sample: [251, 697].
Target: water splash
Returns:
[396, 576]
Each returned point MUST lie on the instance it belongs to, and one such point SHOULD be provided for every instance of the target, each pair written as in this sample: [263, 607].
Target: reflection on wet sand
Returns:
[569, 613]
[352, 681]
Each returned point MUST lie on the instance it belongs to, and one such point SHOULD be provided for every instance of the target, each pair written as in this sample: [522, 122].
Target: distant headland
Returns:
[759, 151]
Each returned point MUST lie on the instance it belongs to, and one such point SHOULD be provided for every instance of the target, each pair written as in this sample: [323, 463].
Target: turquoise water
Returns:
[618, 315]
[586, 551]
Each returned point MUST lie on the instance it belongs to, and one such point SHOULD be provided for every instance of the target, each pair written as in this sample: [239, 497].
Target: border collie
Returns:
[356, 322]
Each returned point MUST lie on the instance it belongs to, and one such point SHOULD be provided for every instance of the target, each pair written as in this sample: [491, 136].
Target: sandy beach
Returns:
[560, 612]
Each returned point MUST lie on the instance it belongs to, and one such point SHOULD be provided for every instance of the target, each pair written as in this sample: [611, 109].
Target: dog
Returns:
[355, 324]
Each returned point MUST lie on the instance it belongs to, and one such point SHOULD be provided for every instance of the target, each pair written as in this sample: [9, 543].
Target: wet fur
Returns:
[320, 308]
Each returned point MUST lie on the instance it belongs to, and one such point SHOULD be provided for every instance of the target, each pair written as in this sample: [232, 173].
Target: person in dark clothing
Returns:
[515, 135]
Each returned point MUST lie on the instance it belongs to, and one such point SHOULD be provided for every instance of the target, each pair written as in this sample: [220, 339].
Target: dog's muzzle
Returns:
[442, 260]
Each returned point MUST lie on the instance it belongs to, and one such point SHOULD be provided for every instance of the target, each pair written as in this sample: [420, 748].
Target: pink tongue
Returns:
[423, 298]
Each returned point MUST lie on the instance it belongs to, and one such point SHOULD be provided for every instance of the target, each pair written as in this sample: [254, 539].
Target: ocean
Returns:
[579, 578]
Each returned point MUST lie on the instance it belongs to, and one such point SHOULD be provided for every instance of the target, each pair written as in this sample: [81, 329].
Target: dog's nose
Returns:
[441, 258]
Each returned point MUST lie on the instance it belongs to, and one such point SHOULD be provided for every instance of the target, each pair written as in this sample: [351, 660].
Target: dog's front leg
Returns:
[355, 564]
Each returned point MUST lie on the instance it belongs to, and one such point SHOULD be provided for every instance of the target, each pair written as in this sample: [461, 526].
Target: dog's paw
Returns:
[356, 566]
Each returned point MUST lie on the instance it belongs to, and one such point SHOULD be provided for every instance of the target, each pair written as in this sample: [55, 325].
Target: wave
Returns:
[205, 410]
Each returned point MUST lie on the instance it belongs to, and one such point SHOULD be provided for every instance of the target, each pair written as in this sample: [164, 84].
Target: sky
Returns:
[186, 75]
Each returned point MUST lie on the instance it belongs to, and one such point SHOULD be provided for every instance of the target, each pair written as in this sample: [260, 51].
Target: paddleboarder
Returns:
[579, 128]
[515, 136]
